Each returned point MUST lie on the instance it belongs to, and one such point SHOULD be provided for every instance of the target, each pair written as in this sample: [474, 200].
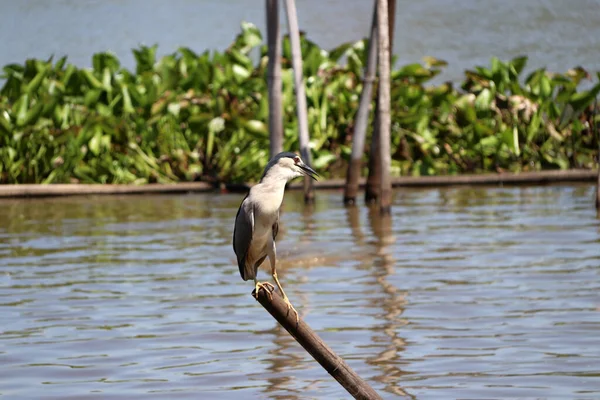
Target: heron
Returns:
[257, 220]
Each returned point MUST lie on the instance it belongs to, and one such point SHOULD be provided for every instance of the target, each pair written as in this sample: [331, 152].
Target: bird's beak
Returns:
[308, 171]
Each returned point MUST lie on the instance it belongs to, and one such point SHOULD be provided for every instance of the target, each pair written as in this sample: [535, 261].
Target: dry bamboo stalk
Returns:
[385, 199]
[274, 78]
[373, 186]
[362, 117]
[292, 17]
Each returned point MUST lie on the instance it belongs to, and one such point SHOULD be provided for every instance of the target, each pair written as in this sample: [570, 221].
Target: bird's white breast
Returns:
[267, 200]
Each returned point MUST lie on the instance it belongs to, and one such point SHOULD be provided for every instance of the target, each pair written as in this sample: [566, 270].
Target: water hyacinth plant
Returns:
[189, 116]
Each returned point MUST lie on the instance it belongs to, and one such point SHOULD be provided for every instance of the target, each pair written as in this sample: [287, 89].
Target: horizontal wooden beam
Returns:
[491, 179]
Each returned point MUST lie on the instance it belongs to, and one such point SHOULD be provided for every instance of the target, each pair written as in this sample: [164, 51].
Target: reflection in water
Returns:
[392, 304]
[463, 293]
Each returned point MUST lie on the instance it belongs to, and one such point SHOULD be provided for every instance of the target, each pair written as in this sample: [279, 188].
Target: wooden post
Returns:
[384, 123]
[313, 344]
[598, 188]
[598, 180]
[595, 129]
[274, 78]
[292, 17]
[362, 117]
[373, 185]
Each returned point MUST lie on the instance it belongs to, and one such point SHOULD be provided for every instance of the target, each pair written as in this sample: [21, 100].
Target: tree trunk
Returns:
[373, 185]
[292, 18]
[362, 117]
[274, 78]
[384, 123]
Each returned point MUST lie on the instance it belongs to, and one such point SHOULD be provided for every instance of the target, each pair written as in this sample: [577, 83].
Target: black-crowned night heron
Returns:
[257, 220]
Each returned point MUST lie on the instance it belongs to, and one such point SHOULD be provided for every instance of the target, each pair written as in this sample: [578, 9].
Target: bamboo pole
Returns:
[292, 17]
[274, 78]
[362, 117]
[598, 187]
[598, 181]
[314, 345]
[385, 199]
[374, 177]
[595, 124]
[373, 186]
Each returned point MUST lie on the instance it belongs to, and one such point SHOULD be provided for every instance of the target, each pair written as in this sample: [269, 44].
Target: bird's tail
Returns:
[248, 269]
[248, 272]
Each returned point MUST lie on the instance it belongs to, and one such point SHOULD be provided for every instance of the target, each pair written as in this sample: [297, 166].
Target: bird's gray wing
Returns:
[242, 233]
[276, 227]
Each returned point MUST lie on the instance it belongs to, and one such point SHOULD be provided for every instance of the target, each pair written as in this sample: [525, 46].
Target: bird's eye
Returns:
[296, 160]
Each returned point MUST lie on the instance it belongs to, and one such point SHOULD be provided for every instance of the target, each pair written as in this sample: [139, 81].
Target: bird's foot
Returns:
[291, 307]
[268, 288]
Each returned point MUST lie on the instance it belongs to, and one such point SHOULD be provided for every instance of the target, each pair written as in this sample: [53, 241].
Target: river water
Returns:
[464, 293]
[557, 34]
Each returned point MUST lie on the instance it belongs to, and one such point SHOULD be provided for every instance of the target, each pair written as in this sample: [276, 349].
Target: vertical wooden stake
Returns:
[373, 185]
[274, 78]
[292, 17]
[384, 122]
[362, 117]
[598, 188]
[595, 129]
[598, 181]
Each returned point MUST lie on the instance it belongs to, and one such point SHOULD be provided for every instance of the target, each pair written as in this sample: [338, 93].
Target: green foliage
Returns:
[204, 116]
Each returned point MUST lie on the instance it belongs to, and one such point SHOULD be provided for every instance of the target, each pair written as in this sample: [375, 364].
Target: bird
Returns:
[257, 220]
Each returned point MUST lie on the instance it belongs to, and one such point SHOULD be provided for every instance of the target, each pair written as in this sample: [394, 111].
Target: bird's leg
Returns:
[272, 257]
[268, 287]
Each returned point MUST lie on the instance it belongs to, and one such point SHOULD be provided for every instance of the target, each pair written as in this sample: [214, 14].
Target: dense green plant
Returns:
[203, 116]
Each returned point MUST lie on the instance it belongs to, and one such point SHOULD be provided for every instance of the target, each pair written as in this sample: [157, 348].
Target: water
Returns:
[556, 34]
[465, 293]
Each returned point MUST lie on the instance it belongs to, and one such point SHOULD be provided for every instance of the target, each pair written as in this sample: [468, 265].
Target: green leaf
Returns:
[5, 124]
[581, 100]
[94, 144]
[545, 87]
[256, 127]
[240, 72]
[434, 62]
[323, 161]
[103, 61]
[145, 58]
[35, 83]
[127, 106]
[518, 63]
[484, 100]
[336, 53]
[91, 79]
[32, 115]
[21, 106]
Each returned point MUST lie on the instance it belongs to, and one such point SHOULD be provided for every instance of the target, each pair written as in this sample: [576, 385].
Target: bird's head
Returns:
[287, 166]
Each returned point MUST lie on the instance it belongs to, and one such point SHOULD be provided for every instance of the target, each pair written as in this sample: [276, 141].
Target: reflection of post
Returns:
[307, 338]
[281, 360]
[393, 306]
[308, 222]
[352, 212]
